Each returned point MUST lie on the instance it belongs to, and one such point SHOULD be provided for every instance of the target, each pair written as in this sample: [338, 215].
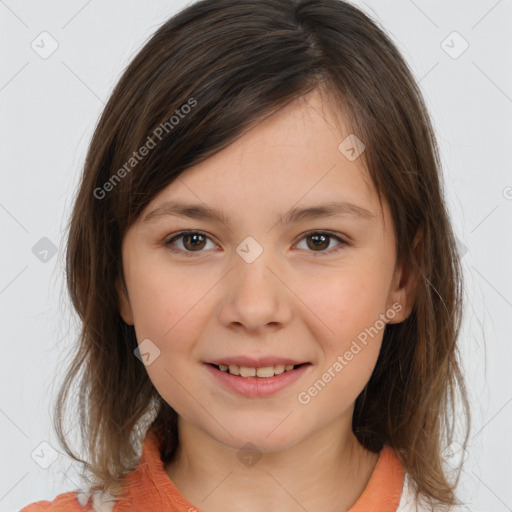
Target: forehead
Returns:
[293, 158]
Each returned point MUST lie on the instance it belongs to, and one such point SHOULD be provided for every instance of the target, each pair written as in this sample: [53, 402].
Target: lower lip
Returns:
[257, 386]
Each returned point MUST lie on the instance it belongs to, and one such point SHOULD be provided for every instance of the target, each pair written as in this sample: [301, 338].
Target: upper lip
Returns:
[254, 362]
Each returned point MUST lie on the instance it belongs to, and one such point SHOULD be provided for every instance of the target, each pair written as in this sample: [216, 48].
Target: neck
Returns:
[327, 471]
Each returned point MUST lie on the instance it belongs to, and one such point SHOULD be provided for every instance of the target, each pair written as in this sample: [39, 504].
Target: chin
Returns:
[265, 439]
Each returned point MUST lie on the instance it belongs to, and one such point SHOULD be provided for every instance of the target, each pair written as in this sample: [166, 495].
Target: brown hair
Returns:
[233, 63]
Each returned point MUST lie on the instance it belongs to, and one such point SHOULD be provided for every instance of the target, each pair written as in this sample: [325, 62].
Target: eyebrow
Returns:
[294, 215]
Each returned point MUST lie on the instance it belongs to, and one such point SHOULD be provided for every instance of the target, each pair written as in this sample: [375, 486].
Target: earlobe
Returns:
[405, 284]
[125, 309]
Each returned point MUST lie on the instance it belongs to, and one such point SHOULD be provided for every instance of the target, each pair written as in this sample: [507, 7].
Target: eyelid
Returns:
[332, 234]
[342, 241]
[175, 236]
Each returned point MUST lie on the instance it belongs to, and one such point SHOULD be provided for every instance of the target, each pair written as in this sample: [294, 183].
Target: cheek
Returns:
[350, 300]
[153, 302]
[164, 313]
[170, 308]
[162, 299]
[349, 329]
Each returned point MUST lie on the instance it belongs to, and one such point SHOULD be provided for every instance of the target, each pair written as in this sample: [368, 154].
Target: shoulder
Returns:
[63, 502]
[408, 502]
[75, 502]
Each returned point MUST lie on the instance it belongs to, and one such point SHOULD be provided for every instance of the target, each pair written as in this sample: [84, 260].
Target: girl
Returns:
[266, 275]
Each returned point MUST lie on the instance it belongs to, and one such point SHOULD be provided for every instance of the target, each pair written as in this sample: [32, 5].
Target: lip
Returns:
[257, 386]
[255, 362]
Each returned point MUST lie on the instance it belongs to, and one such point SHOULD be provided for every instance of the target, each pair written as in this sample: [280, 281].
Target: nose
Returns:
[255, 296]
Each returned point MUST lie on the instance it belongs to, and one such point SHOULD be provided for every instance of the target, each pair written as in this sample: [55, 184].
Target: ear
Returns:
[405, 284]
[125, 309]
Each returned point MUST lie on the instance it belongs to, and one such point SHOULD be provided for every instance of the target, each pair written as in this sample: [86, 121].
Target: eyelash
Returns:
[168, 242]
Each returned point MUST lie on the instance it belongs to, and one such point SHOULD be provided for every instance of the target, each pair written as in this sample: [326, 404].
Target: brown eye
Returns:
[319, 241]
[194, 242]
[191, 242]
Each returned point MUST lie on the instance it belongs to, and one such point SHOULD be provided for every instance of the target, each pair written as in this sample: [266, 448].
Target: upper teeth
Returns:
[265, 371]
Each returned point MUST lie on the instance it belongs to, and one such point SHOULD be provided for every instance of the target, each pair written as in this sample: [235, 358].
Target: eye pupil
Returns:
[195, 237]
[318, 238]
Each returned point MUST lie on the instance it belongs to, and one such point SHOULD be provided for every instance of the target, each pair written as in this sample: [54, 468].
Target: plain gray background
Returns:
[49, 108]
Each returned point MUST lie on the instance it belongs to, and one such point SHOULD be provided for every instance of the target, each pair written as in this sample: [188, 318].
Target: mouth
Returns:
[263, 372]
[256, 382]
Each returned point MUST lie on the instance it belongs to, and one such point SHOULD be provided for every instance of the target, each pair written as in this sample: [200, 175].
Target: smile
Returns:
[264, 371]
[256, 382]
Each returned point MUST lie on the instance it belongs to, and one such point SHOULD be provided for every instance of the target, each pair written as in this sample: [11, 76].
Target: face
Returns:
[263, 285]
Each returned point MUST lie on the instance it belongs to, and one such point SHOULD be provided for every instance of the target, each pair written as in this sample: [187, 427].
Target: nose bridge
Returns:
[255, 296]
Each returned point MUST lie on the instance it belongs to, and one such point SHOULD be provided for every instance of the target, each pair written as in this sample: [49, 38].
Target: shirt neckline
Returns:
[383, 489]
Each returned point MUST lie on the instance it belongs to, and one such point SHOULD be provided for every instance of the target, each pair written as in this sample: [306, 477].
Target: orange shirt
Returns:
[149, 488]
